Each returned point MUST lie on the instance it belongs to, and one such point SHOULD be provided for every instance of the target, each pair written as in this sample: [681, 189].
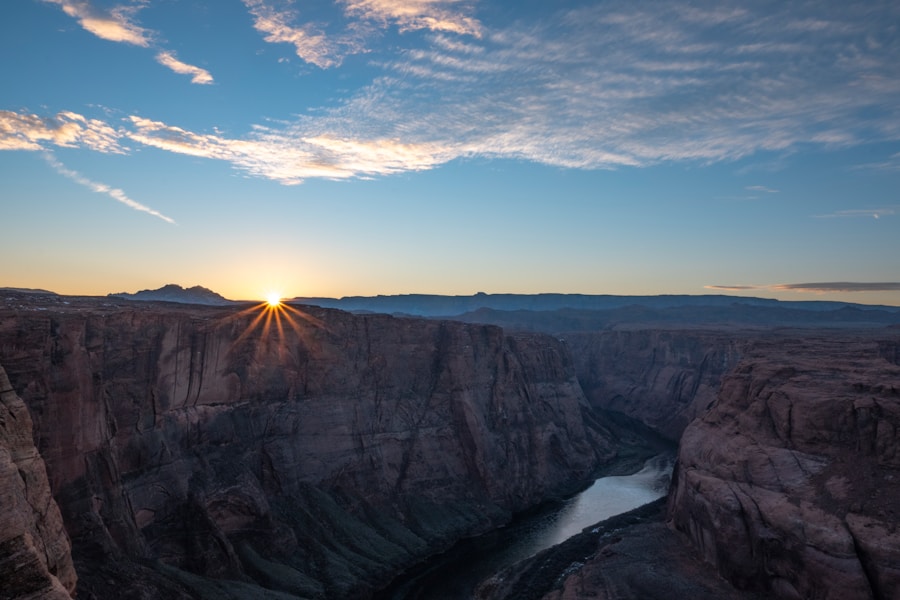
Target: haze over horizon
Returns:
[365, 147]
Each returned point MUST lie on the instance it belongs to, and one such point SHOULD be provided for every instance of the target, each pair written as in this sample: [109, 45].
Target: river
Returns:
[454, 574]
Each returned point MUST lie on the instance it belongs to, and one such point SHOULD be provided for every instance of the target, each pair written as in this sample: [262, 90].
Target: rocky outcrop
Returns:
[664, 379]
[35, 559]
[308, 454]
[789, 484]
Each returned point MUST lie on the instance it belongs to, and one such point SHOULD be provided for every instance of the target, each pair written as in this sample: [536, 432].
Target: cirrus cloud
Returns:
[435, 15]
[815, 288]
[839, 286]
[101, 188]
[623, 84]
[115, 25]
[289, 157]
[869, 213]
[198, 75]
[67, 129]
[311, 45]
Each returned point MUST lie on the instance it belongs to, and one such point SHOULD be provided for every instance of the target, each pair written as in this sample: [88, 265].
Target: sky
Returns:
[364, 147]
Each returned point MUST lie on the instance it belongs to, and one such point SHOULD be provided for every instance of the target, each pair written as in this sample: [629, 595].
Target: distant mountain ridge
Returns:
[175, 293]
[16, 290]
[551, 312]
[427, 305]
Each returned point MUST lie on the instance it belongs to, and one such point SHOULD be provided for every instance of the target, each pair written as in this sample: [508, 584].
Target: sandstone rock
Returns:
[311, 453]
[664, 379]
[35, 559]
[789, 483]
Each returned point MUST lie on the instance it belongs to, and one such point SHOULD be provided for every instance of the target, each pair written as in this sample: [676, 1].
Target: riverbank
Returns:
[455, 574]
[632, 556]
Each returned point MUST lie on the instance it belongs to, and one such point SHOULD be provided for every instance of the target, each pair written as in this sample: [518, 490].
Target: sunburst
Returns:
[275, 320]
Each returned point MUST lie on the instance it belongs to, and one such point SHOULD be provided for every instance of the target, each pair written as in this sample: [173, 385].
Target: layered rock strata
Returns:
[295, 454]
[663, 378]
[35, 559]
[789, 484]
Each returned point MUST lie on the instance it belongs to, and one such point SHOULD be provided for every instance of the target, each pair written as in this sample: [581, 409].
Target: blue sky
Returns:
[361, 147]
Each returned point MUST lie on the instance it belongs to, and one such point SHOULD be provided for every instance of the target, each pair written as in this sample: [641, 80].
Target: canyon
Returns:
[785, 487]
[163, 450]
[296, 453]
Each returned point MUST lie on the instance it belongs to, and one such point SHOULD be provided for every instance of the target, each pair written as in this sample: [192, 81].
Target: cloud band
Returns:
[815, 288]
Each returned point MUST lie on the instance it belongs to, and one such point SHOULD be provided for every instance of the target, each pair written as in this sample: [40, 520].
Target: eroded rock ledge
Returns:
[789, 484]
[211, 453]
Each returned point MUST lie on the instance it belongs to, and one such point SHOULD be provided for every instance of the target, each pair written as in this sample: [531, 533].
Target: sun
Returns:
[273, 299]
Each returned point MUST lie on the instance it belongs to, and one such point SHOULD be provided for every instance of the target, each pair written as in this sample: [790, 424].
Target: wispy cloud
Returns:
[289, 157]
[435, 15]
[310, 44]
[815, 288]
[67, 129]
[198, 75]
[602, 86]
[115, 24]
[734, 288]
[761, 188]
[281, 25]
[869, 213]
[839, 286]
[891, 164]
[101, 188]
[629, 84]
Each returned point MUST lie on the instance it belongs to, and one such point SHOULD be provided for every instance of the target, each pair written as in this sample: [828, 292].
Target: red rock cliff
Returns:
[789, 485]
[35, 559]
[309, 453]
[663, 378]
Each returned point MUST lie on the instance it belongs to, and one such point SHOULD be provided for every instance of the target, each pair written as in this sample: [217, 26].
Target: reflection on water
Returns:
[453, 576]
[607, 497]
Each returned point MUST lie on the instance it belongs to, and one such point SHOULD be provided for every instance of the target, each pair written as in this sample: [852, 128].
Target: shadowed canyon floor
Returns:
[235, 452]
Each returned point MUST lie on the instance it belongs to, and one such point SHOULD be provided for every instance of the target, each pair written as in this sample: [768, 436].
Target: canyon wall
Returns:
[35, 558]
[789, 484]
[786, 486]
[663, 378]
[201, 452]
[295, 454]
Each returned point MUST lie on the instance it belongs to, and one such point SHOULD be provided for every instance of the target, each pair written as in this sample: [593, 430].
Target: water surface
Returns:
[454, 574]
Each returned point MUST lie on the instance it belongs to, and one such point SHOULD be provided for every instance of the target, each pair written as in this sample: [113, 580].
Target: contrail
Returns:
[114, 193]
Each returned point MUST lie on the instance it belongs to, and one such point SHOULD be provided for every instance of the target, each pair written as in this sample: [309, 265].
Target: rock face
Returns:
[664, 379]
[300, 454]
[35, 559]
[789, 484]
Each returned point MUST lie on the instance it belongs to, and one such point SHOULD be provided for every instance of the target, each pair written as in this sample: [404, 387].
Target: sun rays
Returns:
[275, 325]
